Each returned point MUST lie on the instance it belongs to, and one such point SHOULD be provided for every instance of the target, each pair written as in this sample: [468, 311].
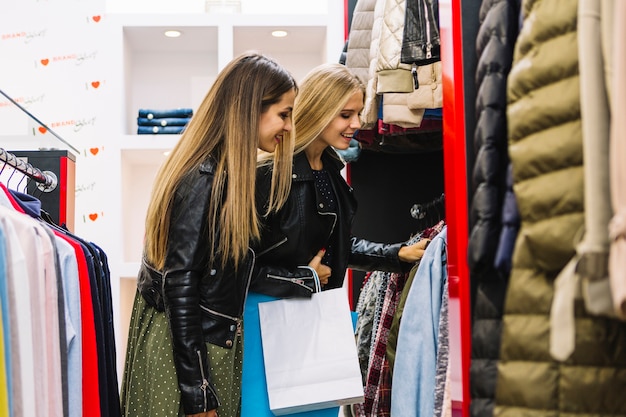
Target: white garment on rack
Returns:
[38, 250]
[23, 366]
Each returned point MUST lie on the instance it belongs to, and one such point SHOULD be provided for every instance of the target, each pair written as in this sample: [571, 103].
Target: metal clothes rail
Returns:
[47, 180]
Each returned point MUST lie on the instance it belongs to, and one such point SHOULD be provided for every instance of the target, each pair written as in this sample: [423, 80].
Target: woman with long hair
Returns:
[184, 355]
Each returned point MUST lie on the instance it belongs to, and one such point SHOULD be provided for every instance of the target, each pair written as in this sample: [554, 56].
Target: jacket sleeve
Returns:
[186, 258]
[372, 256]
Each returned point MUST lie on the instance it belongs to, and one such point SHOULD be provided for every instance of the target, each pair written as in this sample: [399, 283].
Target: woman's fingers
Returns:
[323, 271]
[317, 259]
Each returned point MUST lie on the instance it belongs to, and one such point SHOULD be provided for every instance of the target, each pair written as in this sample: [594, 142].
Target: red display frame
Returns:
[455, 181]
[455, 184]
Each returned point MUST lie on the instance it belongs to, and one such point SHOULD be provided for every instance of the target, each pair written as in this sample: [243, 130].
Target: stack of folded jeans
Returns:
[172, 121]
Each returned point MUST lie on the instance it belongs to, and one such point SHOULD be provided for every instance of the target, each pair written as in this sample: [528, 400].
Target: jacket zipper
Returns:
[416, 83]
[205, 384]
[429, 45]
[208, 310]
[297, 281]
[245, 297]
[274, 246]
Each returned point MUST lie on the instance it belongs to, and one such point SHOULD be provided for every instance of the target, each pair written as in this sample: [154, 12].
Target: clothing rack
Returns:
[428, 214]
[47, 180]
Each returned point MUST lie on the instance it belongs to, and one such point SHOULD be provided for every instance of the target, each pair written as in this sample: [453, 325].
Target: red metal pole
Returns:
[455, 185]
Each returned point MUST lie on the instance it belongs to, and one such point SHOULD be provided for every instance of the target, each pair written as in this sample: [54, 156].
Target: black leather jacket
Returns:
[203, 303]
[292, 237]
[421, 42]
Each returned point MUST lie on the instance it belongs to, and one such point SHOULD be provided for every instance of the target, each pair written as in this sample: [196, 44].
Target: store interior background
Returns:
[84, 68]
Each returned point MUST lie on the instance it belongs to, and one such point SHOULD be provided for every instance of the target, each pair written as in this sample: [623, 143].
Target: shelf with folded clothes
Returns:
[160, 130]
[163, 121]
[164, 71]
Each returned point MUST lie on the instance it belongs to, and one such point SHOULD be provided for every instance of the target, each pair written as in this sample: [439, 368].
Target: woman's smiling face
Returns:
[341, 130]
[275, 122]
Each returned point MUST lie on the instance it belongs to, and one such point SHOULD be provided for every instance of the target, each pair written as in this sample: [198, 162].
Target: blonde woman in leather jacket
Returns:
[309, 239]
[185, 337]
[317, 217]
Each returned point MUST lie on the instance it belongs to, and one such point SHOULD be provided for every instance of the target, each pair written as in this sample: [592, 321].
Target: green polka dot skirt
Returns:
[149, 385]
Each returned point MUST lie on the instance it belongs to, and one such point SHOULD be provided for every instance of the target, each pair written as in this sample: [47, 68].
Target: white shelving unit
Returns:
[163, 73]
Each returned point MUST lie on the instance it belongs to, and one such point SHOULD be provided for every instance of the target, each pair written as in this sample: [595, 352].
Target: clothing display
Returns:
[164, 122]
[163, 130]
[545, 368]
[383, 300]
[421, 366]
[393, 48]
[57, 306]
[165, 113]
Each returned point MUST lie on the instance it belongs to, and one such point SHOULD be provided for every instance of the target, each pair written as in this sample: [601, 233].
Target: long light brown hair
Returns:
[225, 126]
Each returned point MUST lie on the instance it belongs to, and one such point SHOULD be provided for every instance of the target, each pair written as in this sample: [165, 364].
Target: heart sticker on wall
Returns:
[42, 129]
[45, 61]
[94, 151]
[96, 18]
[95, 84]
[93, 217]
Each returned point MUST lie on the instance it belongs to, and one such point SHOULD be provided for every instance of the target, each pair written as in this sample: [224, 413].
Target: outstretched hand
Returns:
[323, 271]
[414, 252]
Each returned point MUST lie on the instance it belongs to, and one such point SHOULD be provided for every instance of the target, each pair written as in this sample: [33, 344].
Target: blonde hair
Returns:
[323, 93]
[225, 126]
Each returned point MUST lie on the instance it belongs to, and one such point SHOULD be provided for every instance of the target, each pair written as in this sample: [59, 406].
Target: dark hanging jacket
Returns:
[494, 49]
[545, 147]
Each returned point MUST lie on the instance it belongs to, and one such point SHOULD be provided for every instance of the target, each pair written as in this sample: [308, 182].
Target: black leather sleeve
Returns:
[372, 256]
[185, 261]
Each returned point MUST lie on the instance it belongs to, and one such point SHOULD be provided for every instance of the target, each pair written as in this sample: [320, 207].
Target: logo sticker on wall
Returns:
[94, 85]
[39, 131]
[27, 37]
[92, 151]
[92, 217]
[78, 59]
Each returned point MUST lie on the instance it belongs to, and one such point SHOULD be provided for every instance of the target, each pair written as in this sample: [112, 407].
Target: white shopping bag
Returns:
[310, 355]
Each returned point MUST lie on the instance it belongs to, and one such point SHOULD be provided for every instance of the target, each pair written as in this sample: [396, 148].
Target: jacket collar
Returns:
[302, 170]
[209, 165]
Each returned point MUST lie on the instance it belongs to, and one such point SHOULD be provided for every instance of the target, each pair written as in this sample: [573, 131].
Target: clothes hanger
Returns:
[430, 213]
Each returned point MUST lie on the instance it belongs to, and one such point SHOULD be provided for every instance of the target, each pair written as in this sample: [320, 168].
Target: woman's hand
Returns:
[323, 271]
[414, 252]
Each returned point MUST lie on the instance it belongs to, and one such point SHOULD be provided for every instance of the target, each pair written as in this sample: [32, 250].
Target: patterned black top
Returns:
[322, 183]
